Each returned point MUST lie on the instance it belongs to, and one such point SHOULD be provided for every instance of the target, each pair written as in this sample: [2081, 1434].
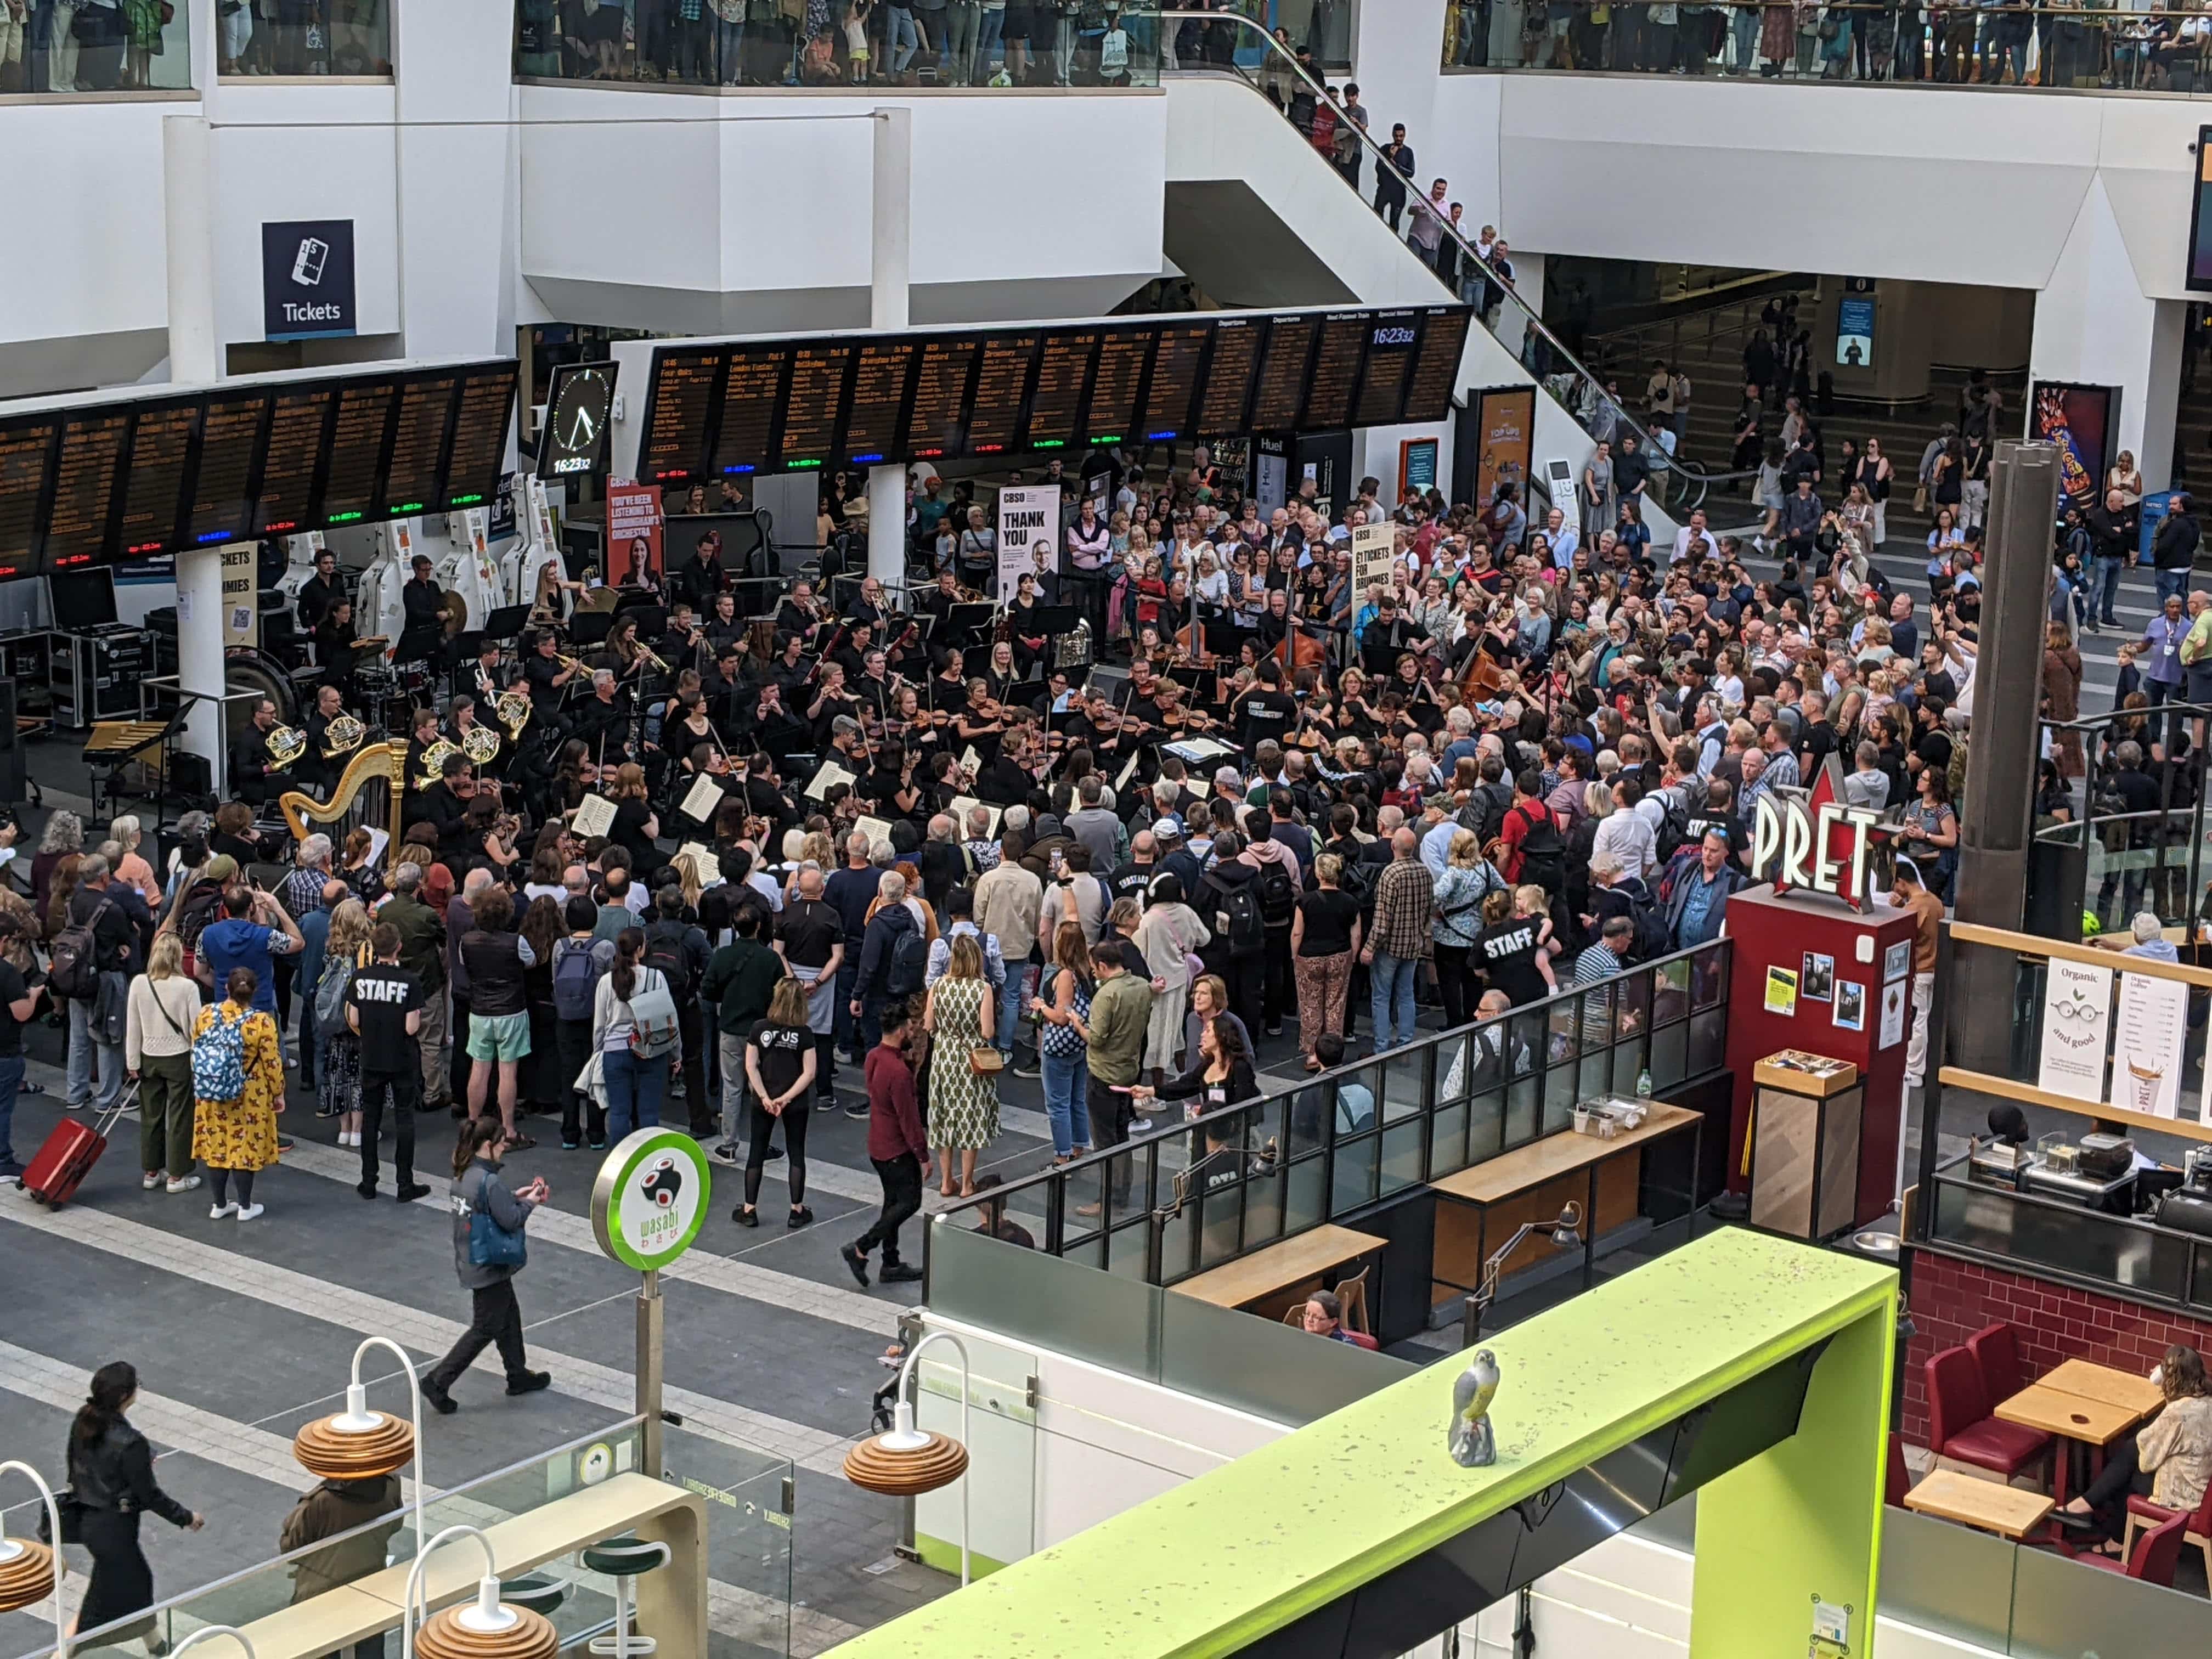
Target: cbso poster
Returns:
[633, 533]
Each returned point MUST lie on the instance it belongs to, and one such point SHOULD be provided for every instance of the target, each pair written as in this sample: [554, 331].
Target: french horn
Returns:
[480, 744]
[513, 710]
[342, 736]
[433, 762]
[286, 744]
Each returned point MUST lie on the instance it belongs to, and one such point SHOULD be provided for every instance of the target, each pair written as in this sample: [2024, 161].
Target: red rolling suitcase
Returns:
[70, 1152]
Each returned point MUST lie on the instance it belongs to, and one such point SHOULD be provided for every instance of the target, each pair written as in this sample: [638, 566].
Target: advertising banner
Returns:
[634, 540]
[2147, 1040]
[1372, 548]
[1027, 515]
[1506, 431]
[2077, 1017]
[2083, 422]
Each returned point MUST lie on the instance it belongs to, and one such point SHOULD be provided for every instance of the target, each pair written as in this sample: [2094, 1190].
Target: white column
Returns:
[2095, 325]
[195, 356]
[890, 266]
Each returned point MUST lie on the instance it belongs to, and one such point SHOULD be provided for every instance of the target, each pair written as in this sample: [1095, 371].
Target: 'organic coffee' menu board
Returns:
[869, 399]
[129, 477]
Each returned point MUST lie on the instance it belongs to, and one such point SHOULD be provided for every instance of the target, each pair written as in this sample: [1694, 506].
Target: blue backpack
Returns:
[219, 1060]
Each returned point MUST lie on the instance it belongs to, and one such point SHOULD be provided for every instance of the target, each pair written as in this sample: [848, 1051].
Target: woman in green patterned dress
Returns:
[963, 1106]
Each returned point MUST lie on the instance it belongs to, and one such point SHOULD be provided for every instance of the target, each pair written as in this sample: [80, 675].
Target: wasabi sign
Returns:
[650, 1199]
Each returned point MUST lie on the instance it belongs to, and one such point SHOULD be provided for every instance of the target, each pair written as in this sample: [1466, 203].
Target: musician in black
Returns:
[1139, 705]
[800, 613]
[489, 676]
[870, 608]
[938, 601]
[700, 578]
[1004, 782]
[852, 656]
[1085, 724]
[425, 605]
[461, 718]
[790, 670]
[319, 769]
[886, 784]
[444, 805]
[1275, 622]
[772, 729]
[422, 737]
[603, 721]
[334, 644]
[849, 746]
[319, 591]
[249, 779]
[721, 683]
[682, 643]
[1389, 635]
[547, 677]
[724, 625]
[831, 701]
[1267, 712]
[873, 687]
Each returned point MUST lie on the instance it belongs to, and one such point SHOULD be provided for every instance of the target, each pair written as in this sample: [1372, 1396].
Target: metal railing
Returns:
[2070, 48]
[1221, 1184]
[2108, 859]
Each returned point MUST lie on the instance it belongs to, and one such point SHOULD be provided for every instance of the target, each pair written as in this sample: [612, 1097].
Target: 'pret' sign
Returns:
[1814, 841]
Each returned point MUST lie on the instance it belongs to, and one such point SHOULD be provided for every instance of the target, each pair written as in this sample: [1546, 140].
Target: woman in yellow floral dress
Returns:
[236, 1137]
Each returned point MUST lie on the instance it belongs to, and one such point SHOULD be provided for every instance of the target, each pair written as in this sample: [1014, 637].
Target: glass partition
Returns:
[2020, 48]
[1092, 43]
[299, 38]
[50, 48]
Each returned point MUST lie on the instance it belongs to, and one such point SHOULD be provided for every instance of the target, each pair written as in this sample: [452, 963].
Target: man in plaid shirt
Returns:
[1405, 903]
[301, 894]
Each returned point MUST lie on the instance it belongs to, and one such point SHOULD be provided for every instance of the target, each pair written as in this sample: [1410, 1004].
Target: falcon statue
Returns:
[1473, 1445]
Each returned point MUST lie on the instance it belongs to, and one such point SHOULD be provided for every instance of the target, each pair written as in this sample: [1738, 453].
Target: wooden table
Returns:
[1280, 1267]
[2093, 1423]
[1513, 1181]
[2113, 1387]
[2005, 1510]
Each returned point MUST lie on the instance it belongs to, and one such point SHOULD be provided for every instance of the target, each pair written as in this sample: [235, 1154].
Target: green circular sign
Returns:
[651, 1197]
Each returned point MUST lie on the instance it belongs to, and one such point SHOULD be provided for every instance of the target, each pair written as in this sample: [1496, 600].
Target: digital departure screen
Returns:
[681, 397]
[1335, 374]
[477, 450]
[86, 476]
[938, 423]
[1230, 372]
[1112, 413]
[1390, 340]
[418, 445]
[817, 397]
[221, 507]
[1177, 361]
[1282, 392]
[1056, 403]
[356, 459]
[26, 451]
[153, 480]
[880, 378]
[1435, 363]
[290, 460]
[1001, 379]
[751, 396]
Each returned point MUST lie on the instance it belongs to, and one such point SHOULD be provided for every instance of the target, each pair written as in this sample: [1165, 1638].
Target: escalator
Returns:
[1257, 217]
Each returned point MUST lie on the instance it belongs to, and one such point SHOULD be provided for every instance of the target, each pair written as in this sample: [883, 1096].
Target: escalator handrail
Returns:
[1587, 381]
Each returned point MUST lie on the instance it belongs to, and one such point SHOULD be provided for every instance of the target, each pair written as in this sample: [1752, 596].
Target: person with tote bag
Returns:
[635, 1035]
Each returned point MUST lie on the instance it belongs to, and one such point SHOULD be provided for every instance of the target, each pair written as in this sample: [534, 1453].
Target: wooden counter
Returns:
[2007, 1512]
[1279, 1268]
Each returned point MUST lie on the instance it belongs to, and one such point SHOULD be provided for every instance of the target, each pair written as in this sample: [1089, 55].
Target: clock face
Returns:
[576, 418]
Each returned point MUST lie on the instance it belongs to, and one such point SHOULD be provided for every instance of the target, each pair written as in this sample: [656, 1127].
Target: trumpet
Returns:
[653, 657]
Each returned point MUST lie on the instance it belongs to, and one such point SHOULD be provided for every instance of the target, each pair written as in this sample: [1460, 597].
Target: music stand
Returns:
[466, 646]
[506, 622]
[590, 627]
[652, 619]
[969, 623]
[418, 644]
[1055, 619]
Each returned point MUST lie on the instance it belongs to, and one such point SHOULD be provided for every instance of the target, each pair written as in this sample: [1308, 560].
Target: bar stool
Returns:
[625, 1560]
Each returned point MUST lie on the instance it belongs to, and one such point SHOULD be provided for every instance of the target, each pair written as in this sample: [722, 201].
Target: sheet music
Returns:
[827, 778]
[710, 867]
[704, 799]
[960, 806]
[1128, 771]
[874, 829]
[971, 760]
[1197, 748]
[594, 817]
[378, 840]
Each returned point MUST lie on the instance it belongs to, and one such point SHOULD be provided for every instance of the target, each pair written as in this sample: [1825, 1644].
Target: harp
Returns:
[367, 796]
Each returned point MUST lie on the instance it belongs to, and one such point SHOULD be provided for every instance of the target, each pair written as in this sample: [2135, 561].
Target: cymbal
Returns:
[457, 612]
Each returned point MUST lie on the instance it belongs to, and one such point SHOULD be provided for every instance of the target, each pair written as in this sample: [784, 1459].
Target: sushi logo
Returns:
[660, 1216]
[662, 1183]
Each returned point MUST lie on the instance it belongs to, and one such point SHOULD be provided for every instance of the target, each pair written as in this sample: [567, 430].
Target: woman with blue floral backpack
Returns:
[238, 1090]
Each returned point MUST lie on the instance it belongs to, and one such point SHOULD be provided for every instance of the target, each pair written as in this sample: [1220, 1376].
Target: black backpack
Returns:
[1674, 821]
[73, 959]
[1246, 932]
[1278, 896]
[1650, 926]
[1543, 850]
[664, 948]
[909, 964]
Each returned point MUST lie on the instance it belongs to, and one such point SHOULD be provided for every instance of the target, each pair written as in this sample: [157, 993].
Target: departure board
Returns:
[85, 478]
[221, 509]
[1229, 371]
[1435, 374]
[417, 469]
[1390, 340]
[677, 404]
[290, 460]
[356, 459]
[154, 479]
[1282, 389]
[1001, 378]
[938, 421]
[27, 451]
[1175, 364]
[817, 399]
[1056, 403]
[478, 456]
[880, 378]
[751, 393]
[1335, 374]
[1120, 376]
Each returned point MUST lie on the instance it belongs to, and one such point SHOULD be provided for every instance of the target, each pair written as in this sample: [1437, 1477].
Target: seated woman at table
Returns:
[2168, 1458]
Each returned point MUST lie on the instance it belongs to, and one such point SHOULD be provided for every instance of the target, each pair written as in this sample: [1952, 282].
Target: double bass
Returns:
[1297, 649]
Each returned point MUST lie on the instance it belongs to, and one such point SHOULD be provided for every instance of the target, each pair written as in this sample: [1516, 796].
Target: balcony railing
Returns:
[347, 38]
[57, 50]
[2076, 48]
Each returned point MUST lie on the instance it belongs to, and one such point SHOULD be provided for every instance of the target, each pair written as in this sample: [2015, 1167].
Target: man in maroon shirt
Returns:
[897, 1147]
